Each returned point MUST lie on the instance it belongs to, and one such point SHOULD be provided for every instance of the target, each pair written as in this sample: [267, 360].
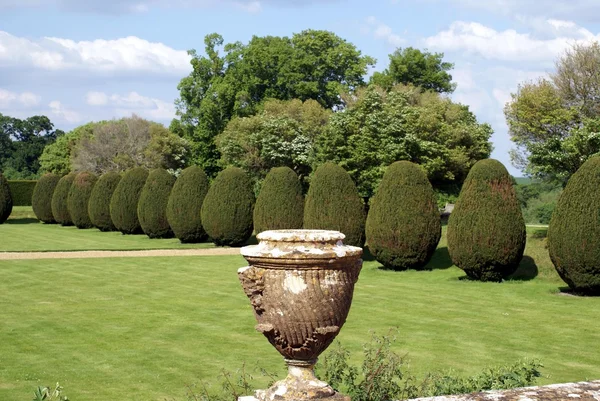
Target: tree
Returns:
[486, 231]
[99, 204]
[574, 232]
[56, 157]
[380, 127]
[333, 203]
[555, 121]
[6, 203]
[403, 225]
[283, 134]
[41, 200]
[227, 208]
[152, 207]
[123, 144]
[60, 209]
[79, 197]
[310, 65]
[280, 204]
[21, 144]
[124, 202]
[419, 68]
[185, 204]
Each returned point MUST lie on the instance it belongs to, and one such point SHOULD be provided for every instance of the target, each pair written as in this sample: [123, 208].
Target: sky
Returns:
[78, 61]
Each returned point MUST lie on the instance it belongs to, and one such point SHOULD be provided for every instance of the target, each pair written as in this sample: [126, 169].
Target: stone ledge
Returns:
[582, 391]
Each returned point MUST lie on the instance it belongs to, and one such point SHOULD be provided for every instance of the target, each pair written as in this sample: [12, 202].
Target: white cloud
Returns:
[133, 102]
[508, 45]
[382, 31]
[63, 113]
[124, 54]
[252, 7]
[23, 99]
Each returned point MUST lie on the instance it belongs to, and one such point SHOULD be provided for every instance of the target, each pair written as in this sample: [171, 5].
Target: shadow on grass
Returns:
[526, 271]
[568, 291]
[440, 260]
[25, 220]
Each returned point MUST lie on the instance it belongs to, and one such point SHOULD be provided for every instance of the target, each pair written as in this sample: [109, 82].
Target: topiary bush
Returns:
[6, 203]
[333, 203]
[99, 204]
[41, 200]
[280, 204]
[486, 230]
[22, 191]
[60, 209]
[403, 225]
[185, 204]
[79, 197]
[574, 232]
[152, 207]
[227, 208]
[124, 202]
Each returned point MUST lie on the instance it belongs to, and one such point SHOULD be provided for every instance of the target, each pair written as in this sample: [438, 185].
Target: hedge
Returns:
[79, 197]
[185, 204]
[99, 204]
[41, 201]
[124, 202]
[152, 207]
[60, 209]
[22, 191]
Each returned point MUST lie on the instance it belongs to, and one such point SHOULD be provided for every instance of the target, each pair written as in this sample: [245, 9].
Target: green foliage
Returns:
[99, 204]
[419, 68]
[124, 202]
[56, 157]
[185, 204]
[41, 200]
[333, 203]
[227, 208]
[22, 191]
[152, 207]
[280, 204]
[6, 203]
[379, 128]
[283, 134]
[50, 394]
[486, 230]
[79, 197]
[403, 225]
[312, 64]
[538, 200]
[60, 209]
[574, 232]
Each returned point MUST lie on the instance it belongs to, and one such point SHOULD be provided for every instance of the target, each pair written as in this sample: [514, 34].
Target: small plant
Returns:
[49, 394]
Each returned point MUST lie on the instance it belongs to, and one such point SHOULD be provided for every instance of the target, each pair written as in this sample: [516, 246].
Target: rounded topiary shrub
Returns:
[6, 203]
[574, 232]
[227, 208]
[60, 209]
[79, 197]
[280, 204]
[333, 203]
[124, 202]
[403, 225]
[99, 204]
[41, 200]
[185, 204]
[486, 230]
[152, 207]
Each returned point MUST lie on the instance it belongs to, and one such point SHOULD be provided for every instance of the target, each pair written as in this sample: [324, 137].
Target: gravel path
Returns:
[118, 254]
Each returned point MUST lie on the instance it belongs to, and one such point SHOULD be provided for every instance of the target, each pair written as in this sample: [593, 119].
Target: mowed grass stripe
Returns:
[122, 328]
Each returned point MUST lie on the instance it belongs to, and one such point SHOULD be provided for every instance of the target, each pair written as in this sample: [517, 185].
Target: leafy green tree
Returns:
[312, 64]
[283, 134]
[410, 66]
[403, 225]
[79, 197]
[152, 207]
[56, 157]
[60, 208]
[41, 201]
[99, 204]
[124, 202]
[333, 203]
[6, 203]
[380, 127]
[486, 231]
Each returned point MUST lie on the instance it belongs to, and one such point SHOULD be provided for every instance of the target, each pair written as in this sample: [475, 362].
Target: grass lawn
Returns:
[145, 328]
[24, 233]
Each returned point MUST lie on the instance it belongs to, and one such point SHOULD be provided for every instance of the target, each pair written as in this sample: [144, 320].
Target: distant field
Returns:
[523, 180]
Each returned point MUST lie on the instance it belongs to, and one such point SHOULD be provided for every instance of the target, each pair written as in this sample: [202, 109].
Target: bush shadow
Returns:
[25, 220]
[441, 260]
[527, 270]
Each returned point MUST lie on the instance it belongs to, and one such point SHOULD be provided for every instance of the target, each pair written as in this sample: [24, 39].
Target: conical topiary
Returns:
[152, 207]
[227, 208]
[185, 204]
[574, 232]
[41, 200]
[333, 203]
[280, 204]
[60, 209]
[99, 204]
[124, 202]
[486, 230]
[79, 197]
[403, 225]
[6, 203]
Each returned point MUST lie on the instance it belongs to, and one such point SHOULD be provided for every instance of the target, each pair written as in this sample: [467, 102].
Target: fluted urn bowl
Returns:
[300, 284]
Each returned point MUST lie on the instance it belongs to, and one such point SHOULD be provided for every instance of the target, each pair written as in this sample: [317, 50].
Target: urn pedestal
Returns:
[300, 284]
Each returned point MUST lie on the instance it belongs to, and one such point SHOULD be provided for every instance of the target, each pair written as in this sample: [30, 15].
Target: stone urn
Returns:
[300, 284]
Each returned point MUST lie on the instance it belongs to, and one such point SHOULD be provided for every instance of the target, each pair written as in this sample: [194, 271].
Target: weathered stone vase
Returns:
[300, 284]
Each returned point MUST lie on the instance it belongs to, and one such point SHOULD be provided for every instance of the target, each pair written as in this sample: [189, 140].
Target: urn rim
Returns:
[301, 235]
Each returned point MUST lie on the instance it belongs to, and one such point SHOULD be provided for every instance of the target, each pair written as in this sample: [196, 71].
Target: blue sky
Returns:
[81, 60]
